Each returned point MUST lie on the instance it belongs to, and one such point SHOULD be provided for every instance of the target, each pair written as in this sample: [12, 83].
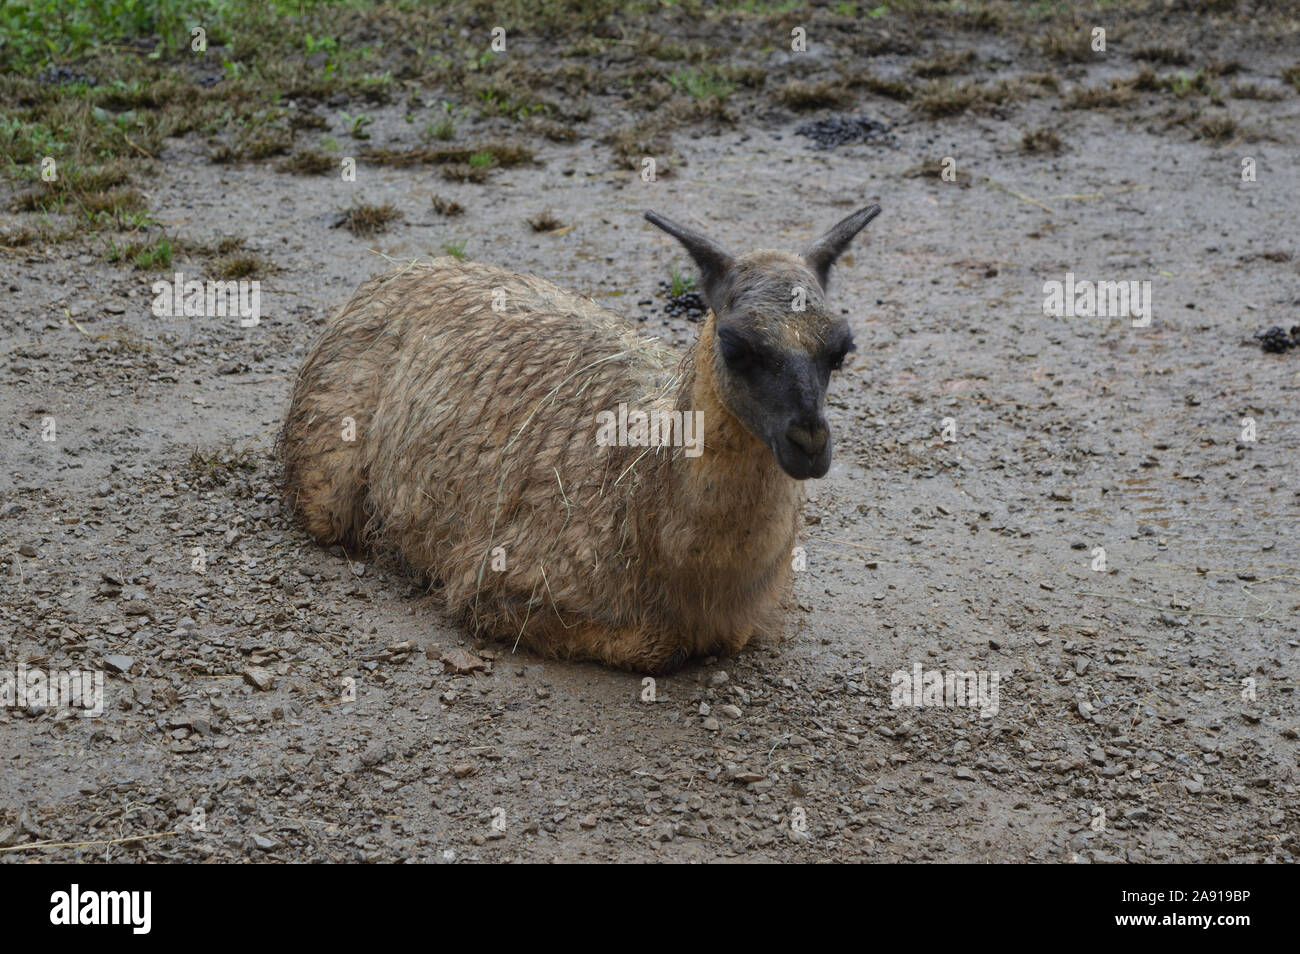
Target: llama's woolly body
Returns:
[475, 429]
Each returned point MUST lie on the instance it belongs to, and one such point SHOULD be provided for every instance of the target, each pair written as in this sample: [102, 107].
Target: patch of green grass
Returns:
[456, 249]
[1194, 84]
[441, 130]
[99, 196]
[34, 32]
[679, 282]
[507, 95]
[121, 208]
[126, 79]
[357, 125]
[702, 83]
[145, 256]
[766, 7]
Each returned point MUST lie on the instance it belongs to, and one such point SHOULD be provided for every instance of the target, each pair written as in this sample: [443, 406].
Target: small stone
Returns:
[259, 678]
[462, 769]
[461, 662]
[588, 821]
[119, 663]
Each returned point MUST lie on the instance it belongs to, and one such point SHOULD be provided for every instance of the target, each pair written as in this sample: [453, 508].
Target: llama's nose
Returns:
[809, 436]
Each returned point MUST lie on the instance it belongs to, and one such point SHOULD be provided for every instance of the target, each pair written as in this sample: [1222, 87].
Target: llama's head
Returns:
[775, 341]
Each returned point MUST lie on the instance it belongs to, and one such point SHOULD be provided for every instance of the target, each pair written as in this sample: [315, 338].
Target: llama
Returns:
[450, 411]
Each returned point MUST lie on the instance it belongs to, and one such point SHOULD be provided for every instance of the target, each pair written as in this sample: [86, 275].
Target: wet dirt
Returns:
[985, 454]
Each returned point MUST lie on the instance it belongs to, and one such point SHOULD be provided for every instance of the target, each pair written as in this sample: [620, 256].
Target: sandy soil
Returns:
[1124, 730]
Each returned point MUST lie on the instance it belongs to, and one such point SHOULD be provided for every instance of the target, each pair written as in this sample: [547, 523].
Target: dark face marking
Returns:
[777, 344]
[775, 361]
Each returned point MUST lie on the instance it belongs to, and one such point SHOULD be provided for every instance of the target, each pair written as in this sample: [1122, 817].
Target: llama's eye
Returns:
[837, 359]
[739, 354]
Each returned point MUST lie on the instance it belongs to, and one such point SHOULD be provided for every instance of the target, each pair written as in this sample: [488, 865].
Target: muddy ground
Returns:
[1126, 728]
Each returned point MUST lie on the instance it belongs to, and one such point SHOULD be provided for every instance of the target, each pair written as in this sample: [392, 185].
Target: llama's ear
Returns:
[712, 261]
[821, 254]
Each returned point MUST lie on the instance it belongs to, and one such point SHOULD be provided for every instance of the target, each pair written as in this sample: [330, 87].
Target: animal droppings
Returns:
[840, 130]
[689, 305]
[1276, 340]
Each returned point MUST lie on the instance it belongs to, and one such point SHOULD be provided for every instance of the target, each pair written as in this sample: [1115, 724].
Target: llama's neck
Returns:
[733, 502]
